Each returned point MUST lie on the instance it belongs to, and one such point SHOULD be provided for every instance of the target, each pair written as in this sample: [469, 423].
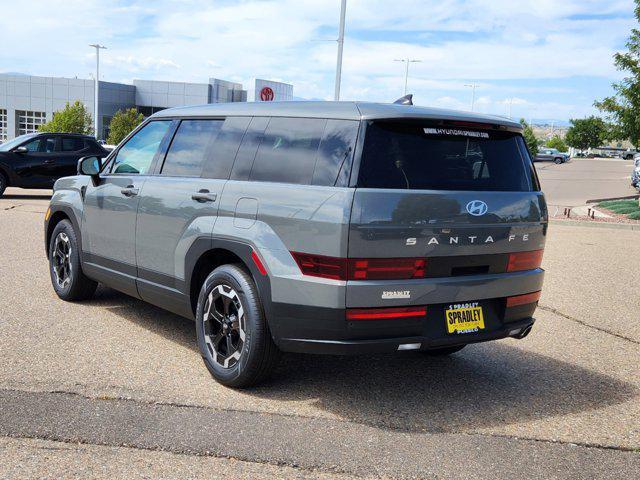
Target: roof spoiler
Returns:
[406, 100]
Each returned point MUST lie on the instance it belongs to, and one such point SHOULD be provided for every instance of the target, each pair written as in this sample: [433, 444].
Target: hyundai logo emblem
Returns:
[477, 208]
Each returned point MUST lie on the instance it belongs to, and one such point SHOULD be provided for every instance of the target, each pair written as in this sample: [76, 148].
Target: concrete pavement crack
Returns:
[185, 406]
[76, 442]
[573, 319]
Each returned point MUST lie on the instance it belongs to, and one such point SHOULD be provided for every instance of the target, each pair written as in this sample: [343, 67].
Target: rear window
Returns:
[401, 155]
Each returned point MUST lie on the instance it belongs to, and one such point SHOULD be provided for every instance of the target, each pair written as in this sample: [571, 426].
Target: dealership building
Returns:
[28, 101]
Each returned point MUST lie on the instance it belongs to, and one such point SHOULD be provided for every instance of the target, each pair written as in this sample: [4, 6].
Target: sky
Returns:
[544, 59]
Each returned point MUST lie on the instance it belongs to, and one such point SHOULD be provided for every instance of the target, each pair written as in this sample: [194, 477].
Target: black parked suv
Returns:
[320, 227]
[37, 160]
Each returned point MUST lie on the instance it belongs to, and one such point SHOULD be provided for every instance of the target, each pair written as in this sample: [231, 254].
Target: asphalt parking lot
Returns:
[116, 387]
[581, 179]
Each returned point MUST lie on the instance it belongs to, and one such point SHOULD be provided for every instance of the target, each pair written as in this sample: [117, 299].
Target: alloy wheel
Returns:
[224, 325]
[61, 260]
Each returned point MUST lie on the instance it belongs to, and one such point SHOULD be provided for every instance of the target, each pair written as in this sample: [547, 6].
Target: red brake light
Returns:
[524, 261]
[360, 268]
[385, 313]
[386, 268]
[523, 299]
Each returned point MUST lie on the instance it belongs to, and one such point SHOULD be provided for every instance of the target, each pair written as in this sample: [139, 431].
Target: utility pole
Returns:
[473, 87]
[343, 12]
[406, 61]
[98, 47]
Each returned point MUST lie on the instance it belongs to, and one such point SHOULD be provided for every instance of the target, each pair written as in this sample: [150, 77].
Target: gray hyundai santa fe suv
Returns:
[321, 227]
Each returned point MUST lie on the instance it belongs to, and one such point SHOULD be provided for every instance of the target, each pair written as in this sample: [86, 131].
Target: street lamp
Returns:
[343, 12]
[473, 86]
[97, 46]
[406, 61]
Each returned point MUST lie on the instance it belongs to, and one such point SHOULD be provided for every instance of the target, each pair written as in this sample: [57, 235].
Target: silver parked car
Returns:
[552, 155]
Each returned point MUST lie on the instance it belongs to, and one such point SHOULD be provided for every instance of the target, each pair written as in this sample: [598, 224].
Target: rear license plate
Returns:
[464, 318]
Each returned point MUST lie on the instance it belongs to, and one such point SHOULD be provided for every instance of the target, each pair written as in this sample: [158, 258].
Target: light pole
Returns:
[97, 46]
[510, 105]
[406, 61]
[343, 12]
[473, 87]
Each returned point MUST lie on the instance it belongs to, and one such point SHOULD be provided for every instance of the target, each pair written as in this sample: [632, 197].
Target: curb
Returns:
[628, 197]
[613, 226]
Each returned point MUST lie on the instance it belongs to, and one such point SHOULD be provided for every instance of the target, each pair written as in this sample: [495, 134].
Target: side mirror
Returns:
[89, 166]
[20, 150]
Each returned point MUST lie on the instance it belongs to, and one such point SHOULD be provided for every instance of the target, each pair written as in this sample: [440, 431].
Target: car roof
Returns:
[65, 134]
[334, 110]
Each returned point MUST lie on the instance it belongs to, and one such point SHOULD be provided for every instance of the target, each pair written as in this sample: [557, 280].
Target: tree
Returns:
[557, 143]
[122, 123]
[585, 133]
[71, 119]
[530, 137]
[623, 108]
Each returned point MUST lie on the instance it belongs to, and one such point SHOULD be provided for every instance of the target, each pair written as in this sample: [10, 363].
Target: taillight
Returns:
[523, 299]
[321, 266]
[524, 261]
[360, 268]
[385, 313]
[386, 268]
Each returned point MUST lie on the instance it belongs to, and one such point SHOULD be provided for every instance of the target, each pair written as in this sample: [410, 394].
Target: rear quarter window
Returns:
[287, 153]
[411, 155]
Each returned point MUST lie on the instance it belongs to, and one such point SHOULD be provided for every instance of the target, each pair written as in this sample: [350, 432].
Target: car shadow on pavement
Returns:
[485, 385]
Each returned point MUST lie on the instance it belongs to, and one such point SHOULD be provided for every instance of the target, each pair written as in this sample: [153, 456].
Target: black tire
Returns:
[244, 362]
[558, 160]
[3, 183]
[77, 286]
[439, 352]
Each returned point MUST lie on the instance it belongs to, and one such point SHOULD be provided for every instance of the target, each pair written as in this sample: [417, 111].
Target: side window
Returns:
[335, 152]
[288, 150]
[220, 158]
[33, 146]
[248, 148]
[136, 155]
[72, 144]
[48, 145]
[190, 146]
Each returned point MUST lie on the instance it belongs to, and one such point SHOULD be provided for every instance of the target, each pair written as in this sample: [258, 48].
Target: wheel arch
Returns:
[5, 172]
[56, 215]
[204, 256]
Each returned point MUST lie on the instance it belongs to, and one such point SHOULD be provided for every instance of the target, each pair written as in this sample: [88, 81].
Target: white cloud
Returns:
[493, 44]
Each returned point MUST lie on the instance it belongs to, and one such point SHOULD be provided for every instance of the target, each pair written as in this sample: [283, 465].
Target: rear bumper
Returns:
[390, 345]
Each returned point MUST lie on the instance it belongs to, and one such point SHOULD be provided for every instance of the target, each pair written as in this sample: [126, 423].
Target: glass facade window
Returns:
[3, 125]
[148, 111]
[28, 121]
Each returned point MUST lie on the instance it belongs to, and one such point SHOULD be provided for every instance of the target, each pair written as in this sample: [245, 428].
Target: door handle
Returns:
[50, 160]
[130, 191]
[204, 196]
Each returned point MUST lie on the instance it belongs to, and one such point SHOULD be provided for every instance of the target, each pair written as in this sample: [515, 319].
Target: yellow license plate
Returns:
[464, 318]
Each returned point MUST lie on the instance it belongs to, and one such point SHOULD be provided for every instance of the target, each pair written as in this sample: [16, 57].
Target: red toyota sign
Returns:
[266, 94]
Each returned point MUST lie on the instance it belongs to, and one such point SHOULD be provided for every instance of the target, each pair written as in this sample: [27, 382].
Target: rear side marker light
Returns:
[385, 313]
[360, 268]
[523, 299]
[258, 263]
[525, 261]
